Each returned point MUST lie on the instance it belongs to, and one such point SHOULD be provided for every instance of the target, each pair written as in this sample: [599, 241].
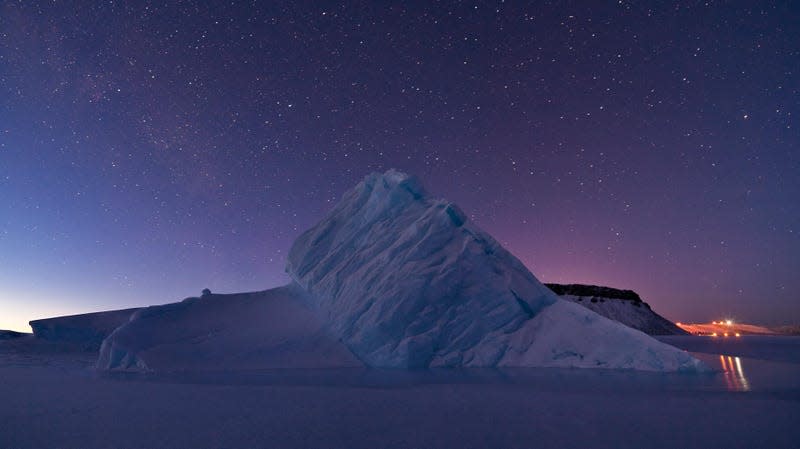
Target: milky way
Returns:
[147, 152]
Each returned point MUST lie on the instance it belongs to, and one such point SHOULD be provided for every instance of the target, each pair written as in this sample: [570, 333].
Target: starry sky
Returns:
[149, 151]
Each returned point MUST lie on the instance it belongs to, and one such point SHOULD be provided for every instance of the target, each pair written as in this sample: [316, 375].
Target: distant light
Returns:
[738, 334]
[714, 334]
[725, 334]
[728, 322]
[678, 323]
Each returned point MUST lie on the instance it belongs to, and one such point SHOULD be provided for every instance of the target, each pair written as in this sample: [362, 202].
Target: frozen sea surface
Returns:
[52, 399]
[766, 347]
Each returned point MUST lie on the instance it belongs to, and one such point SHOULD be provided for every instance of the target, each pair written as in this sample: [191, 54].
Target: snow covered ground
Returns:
[52, 397]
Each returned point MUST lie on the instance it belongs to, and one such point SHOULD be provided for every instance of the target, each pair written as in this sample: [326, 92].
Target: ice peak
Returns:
[393, 178]
[390, 177]
[407, 281]
[394, 189]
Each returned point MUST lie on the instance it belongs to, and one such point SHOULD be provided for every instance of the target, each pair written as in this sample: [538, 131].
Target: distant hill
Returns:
[624, 306]
[593, 291]
[8, 335]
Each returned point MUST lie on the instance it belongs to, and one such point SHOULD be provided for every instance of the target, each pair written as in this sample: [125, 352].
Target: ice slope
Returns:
[623, 306]
[270, 329]
[406, 280]
[88, 328]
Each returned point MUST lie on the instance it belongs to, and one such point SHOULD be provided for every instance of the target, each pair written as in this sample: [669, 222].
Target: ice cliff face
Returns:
[406, 280]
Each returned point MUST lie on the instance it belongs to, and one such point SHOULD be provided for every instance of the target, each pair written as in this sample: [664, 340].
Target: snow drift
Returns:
[270, 329]
[406, 280]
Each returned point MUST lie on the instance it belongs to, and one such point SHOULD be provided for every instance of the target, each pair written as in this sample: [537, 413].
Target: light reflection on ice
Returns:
[733, 374]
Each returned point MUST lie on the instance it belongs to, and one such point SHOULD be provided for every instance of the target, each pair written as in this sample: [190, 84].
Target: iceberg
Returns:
[406, 280]
[390, 278]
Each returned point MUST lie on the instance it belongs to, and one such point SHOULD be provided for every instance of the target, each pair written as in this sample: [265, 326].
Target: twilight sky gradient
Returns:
[147, 152]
